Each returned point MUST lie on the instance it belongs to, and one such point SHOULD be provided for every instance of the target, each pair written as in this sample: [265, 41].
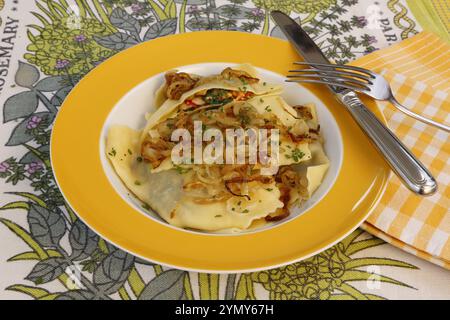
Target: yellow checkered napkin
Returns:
[418, 70]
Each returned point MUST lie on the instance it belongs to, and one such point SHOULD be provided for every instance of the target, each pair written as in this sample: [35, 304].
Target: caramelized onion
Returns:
[229, 73]
[178, 83]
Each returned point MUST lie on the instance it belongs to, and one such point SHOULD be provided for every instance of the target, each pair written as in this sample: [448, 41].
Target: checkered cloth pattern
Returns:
[418, 70]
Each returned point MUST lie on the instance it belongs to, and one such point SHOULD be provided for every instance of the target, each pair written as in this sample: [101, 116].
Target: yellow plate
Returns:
[78, 170]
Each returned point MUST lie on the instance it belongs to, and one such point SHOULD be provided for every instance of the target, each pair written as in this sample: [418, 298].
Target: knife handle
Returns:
[407, 167]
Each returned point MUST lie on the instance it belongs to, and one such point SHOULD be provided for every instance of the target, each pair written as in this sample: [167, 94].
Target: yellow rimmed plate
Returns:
[78, 169]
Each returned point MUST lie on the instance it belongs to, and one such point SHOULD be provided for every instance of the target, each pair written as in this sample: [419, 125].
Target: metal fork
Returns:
[356, 79]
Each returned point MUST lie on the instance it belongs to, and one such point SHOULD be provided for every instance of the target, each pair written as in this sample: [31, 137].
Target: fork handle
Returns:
[407, 167]
[418, 116]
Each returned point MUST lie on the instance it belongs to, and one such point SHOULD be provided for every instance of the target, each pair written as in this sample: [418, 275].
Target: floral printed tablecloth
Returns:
[47, 46]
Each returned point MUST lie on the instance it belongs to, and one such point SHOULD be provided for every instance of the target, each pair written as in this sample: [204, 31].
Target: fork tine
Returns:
[336, 66]
[330, 72]
[329, 78]
[335, 84]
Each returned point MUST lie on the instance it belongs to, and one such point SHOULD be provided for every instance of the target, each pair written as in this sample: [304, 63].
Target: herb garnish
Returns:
[113, 152]
[296, 154]
[217, 97]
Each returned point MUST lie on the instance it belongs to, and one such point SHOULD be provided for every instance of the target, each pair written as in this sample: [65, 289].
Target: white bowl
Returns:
[131, 109]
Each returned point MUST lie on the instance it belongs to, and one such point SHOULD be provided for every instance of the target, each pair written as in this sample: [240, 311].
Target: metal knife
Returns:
[407, 167]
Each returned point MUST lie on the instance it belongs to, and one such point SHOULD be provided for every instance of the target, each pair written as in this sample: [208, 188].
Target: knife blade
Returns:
[408, 168]
[302, 42]
[299, 38]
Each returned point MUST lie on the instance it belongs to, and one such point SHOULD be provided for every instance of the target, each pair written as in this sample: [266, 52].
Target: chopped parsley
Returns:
[245, 211]
[113, 152]
[267, 108]
[269, 189]
[129, 152]
[139, 159]
[138, 183]
[217, 97]
[296, 154]
[218, 216]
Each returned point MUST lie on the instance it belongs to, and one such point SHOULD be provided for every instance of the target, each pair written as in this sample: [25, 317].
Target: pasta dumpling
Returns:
[237, 187]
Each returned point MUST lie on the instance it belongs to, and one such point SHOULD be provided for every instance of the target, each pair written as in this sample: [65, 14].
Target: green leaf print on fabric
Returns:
[63, 44]
[169, 285]
[82, 240]
[47, 270]
[62, 48]
[113, 271]
[51, 84]
[122, 20]
[34, 292]
[161, 29]
[232, 11]
[19, 106]
[46, 226]
[77, 295]
[117, 41]
[26, 75]
[329, 274]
